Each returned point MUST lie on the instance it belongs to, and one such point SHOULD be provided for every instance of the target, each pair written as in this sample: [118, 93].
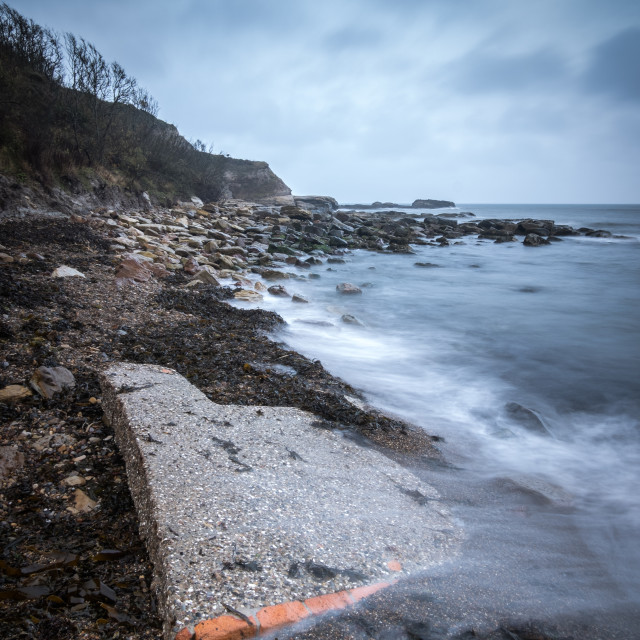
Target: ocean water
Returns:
[555, 329]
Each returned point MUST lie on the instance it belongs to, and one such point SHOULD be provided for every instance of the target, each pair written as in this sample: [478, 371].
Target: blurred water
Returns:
[555, 329]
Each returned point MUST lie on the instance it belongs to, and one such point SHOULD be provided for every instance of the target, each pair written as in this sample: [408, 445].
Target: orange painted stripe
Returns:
[270, 618]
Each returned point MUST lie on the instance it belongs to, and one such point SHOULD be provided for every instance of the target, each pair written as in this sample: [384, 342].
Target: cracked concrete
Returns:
[247, 507]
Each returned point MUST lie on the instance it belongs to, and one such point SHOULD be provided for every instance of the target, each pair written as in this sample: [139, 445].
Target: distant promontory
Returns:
[416, 204]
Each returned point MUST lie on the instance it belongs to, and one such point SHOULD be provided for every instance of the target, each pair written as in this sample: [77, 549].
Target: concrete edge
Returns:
[268, 619]
[116, 414]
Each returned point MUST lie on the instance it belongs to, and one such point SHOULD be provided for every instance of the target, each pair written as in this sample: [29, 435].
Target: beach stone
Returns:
[5, 258]
[347, 318]
[206, 275]
[54, 441]
[48, 381]
[191, 266]
[74, 481]
[66, 272]
[273, 274]
[82, 503]
[11, 461]
[133, 268]
[14, 393]
[426, 265]
[298, 298]
[346, 288]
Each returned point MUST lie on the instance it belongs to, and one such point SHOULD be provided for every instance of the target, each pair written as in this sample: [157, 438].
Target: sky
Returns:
[474, 101]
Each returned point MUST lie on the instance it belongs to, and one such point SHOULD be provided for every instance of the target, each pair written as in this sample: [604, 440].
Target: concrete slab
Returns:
[247, 507]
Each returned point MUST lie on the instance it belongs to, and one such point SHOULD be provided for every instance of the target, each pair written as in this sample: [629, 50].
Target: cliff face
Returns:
[253, 181]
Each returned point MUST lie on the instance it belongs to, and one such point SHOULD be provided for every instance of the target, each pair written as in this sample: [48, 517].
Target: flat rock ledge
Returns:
[248, 512]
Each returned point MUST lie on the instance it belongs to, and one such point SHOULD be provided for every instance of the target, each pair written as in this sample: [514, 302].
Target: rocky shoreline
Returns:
[94, 284]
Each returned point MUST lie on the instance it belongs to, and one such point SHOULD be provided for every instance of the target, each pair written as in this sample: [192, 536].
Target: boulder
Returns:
[346, 288]
[298, 298]
[278, 290]
[248, 295]
[133, 268]
[526, 418]
[321, 204]
[534, 240]
[347, 318]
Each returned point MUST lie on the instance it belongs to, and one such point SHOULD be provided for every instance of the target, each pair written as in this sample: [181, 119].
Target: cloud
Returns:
[481, 72]
[614, 68]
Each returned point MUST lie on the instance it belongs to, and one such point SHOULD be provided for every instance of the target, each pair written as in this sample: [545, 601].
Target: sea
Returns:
[525, 361]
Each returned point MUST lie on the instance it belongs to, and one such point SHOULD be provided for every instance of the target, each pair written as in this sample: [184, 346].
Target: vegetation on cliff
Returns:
[67, 116]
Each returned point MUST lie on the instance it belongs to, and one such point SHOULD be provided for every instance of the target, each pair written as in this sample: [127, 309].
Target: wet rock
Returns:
[599, 233]
[526, 418]
[5, 258]
[14, 393]
[534, 240]
[272, 274]
[278, 290]
[426, 265]
[11, 461]
[298, 298]
[48, 381]
[347, 318]
[66, 272]
[346, 288]
[248, 295]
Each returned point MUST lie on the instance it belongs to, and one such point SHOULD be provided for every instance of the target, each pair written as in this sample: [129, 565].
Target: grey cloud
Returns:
[615, 67]
[480, 72]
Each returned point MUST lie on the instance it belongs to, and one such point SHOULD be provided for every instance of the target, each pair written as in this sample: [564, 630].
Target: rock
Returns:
[260, 286]
[278, 290]
[11, 461]
[432, 204]
[5, 258]
[299, 298]
[48, 381]
[296, 213]
[74, 481]
[526, 418]
[66, 272]
[320, 204]
[599, 233]
[534, 240]
[272, 274]
[206, 275]
[248, 295]
[82, 503]
[191, 266]
[347, 288]
[347, 318]
[426, 265]
[133, 268]
[14, 393]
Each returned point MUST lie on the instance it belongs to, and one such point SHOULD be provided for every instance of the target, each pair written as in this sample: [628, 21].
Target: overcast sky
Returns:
[468, 100]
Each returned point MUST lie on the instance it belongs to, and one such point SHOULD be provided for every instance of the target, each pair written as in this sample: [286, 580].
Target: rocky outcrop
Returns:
[316, 204]
[432, 204]
[255, 182]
